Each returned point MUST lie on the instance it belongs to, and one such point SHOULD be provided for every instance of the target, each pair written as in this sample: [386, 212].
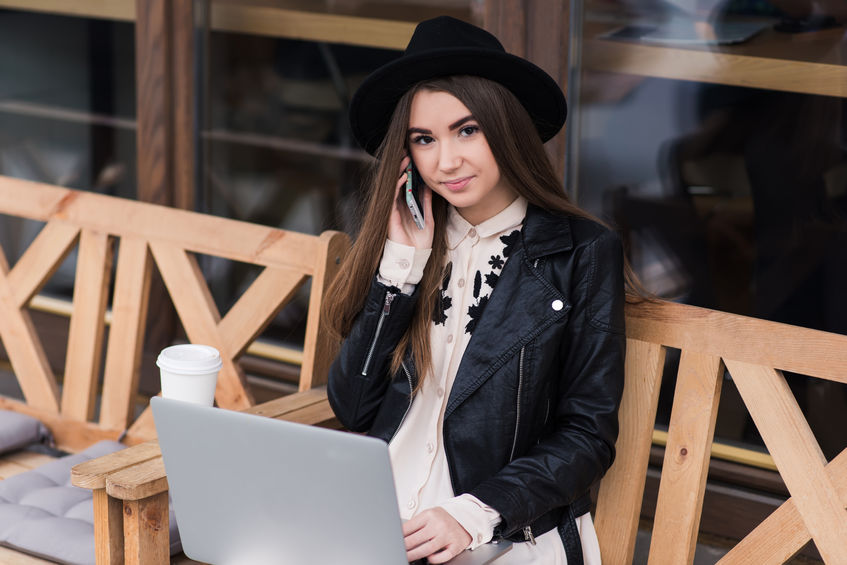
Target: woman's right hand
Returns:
[401, 226]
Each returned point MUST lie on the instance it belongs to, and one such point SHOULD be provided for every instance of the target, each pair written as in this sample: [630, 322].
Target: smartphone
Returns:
[414, 182]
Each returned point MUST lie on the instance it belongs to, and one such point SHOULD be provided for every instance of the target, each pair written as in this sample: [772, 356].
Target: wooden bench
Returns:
[134, 237]
[754, 351]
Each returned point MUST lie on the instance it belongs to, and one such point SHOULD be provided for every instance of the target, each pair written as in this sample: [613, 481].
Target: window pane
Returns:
[713, 135]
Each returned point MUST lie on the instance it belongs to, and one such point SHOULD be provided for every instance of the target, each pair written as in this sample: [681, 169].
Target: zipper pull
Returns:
[527, 534]
[389, 298]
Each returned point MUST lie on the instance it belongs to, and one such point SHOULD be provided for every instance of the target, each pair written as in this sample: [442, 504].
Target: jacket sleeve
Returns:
[580, 446]
[358, 378]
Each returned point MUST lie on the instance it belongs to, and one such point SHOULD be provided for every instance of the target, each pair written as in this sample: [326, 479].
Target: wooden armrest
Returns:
[93, 474]
[138, 472]
[138, 482]
[130, 486]
[308, 407]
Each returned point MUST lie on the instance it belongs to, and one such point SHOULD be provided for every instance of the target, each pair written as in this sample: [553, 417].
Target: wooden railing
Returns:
[135, 238]
[755, 352]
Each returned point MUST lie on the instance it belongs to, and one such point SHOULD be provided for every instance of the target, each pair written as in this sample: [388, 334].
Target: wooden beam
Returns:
[797, 455]
[221, 237]
[146, 536]
[538, 31]
[126, 335]
[315, 368]
[154, 107]
[184, 103]
[108, 529]
[686, 463]
[24, 348]
[618, 500]
[41, 260]
[85, 339]
[760, 342]
[200, 318]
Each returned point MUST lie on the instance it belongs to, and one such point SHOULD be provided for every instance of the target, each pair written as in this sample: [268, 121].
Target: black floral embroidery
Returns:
[491, 279]
[497, 262]
[510, 241]
[475, 313]
[439, 316]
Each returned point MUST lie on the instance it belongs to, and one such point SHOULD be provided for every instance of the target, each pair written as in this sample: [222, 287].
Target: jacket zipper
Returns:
[518, 417]
[386, 308]
[527, 531]
[409, 407]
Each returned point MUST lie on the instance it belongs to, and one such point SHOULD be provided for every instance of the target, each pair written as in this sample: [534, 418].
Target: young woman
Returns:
[486, 348]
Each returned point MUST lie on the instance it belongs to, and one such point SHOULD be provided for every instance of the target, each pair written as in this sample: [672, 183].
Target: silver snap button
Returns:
[557, 305]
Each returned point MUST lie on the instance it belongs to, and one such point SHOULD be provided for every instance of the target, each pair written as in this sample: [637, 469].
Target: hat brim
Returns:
[373, 103]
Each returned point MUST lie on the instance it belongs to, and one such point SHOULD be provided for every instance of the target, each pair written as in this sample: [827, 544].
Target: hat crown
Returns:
[445, 32]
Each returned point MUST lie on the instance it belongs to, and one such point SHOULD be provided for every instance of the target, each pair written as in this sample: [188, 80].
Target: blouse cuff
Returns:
[402, 266]
[478, 519]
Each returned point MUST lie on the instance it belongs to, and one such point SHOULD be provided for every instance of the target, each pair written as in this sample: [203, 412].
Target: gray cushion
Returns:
[42, 513]
[18, 430]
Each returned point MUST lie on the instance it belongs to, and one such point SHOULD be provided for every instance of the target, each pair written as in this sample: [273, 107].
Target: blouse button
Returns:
[411, 504]
[557, 305]
[461, 283]
[450, 338]
[429, 447]
[403, 264]
[472, 233]
[440, 392]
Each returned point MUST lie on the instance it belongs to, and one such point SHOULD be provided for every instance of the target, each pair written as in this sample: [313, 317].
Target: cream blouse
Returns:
[475, 257]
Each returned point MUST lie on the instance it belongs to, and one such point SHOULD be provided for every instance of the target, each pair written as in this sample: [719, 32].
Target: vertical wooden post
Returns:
[85, 339]
[686, 463]
[164, 43]
[315, 369]
[621, 492]
[146, 522]
[537, 30]
[184, 103]
[108, 528]
[164, 39]
[154, 104]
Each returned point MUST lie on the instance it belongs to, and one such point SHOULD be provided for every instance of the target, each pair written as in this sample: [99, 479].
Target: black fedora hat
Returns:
[446, 46]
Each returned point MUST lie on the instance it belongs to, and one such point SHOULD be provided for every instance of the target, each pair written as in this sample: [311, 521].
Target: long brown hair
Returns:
[523, 164]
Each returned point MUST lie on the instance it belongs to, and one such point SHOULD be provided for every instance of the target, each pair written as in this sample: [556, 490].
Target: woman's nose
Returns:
[449, 157]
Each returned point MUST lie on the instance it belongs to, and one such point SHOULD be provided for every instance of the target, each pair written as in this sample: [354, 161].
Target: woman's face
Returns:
[452, 156]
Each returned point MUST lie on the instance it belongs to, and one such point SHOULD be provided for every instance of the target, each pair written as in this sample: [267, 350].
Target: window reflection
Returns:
[726, 174]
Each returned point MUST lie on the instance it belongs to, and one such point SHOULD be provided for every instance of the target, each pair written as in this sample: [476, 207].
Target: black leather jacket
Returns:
[531, 420]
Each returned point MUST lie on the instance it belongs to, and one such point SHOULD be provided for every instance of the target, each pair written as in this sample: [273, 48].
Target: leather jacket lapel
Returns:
[519, 309]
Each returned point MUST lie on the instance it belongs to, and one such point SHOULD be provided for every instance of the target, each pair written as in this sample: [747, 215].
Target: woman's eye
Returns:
[422, 140]
[468, 130]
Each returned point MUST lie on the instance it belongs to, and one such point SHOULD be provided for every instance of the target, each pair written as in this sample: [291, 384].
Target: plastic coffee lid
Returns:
[190, 359]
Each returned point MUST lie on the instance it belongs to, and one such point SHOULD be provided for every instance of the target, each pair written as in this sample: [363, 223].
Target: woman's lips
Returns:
[458, 184]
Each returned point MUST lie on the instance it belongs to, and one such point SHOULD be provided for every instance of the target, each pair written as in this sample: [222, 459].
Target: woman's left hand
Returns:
[401, 227]
[435, 534]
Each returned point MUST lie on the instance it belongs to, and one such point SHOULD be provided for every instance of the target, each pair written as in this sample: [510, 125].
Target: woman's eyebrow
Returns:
[458, 123]
[455, 125]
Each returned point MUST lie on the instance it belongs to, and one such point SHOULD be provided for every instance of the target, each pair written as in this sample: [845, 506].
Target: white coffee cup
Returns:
[189, 372]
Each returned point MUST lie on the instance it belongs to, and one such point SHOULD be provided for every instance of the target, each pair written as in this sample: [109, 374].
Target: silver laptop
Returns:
[252, 490]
